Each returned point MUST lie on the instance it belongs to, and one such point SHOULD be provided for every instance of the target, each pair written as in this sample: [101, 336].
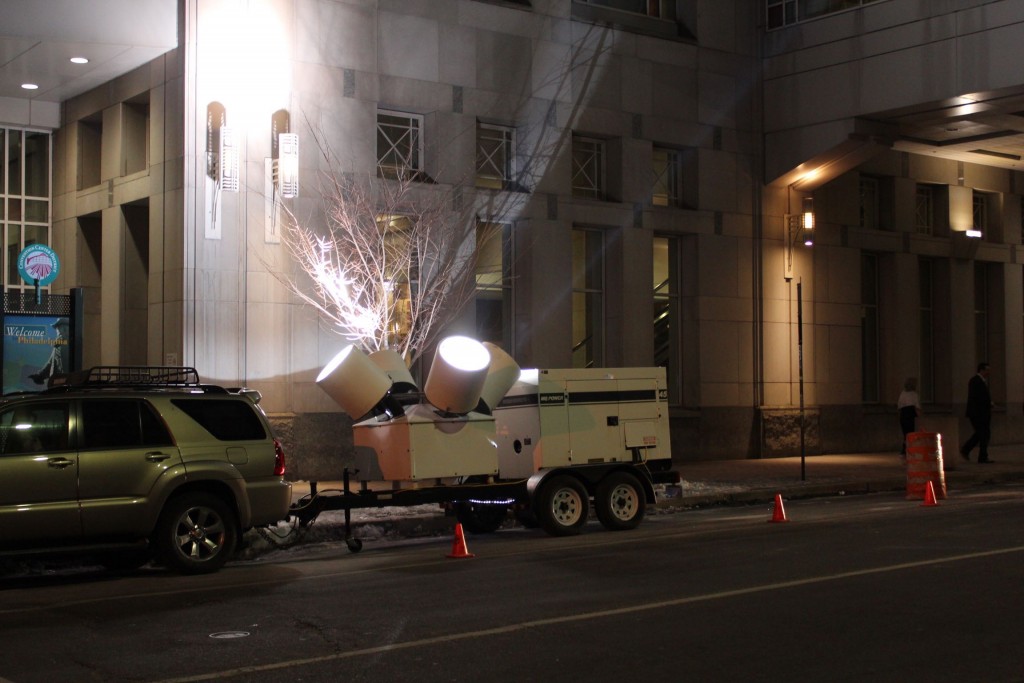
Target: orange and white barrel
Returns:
[924, 464]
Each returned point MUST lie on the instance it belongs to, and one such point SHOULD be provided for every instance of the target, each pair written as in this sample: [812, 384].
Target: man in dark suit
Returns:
[979, 412]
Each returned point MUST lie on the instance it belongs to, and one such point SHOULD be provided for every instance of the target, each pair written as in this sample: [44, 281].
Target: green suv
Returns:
[137, 463]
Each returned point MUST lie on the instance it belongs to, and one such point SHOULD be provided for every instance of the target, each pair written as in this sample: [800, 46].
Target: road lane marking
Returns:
[586, 616]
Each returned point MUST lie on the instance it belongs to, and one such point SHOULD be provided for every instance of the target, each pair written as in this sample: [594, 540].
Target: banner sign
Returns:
[34, 348]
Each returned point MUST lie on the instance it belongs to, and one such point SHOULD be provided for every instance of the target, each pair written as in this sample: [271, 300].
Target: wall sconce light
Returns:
[799, 227]
[807, 217]
[288, 164]
[216, 117]
[284, 154]
[228, 160]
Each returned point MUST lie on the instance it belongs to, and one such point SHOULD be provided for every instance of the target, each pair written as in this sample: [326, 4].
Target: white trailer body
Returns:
[569, 417]
[557, 440]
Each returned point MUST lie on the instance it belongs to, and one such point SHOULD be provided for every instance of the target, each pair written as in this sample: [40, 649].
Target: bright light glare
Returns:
[79, 60]
[243, 60]
[29, 86]
[808, 220]
[463, 353]
[974, 233]
[530, 376]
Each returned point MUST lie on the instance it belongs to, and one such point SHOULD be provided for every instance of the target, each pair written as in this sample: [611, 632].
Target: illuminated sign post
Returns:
[38, 265]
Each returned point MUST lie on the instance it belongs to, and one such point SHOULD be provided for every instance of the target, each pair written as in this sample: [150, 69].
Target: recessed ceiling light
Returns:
[29, 86]
[79, 60]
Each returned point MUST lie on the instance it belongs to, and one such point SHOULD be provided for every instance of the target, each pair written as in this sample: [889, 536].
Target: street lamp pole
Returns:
[800, 363]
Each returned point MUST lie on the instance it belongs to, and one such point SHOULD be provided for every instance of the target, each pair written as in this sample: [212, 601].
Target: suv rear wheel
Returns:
[197, 533]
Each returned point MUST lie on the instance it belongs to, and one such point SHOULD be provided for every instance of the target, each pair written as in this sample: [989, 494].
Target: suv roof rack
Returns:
[128, 376]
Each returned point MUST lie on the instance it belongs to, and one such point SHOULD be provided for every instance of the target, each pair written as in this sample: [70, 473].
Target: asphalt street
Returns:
[849, 588]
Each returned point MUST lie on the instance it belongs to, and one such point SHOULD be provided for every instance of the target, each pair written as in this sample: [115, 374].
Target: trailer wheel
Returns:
[481, 518]
[620, 502]
[562, 506]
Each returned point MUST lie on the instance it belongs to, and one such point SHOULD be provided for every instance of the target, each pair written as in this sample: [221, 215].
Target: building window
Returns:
[924, 210]
[399, 144]
[1022, 219]
[668, 177]
[659, 9]
[784, 12]
[587, 298]
[25, 195]
[870, 211]
[494, 304]
[495, 156]
[979, 203]
[400, 274]
[981, 303]
[668, 348]
[926, 316]
[588, 173]
[135, 124]
[869, 344]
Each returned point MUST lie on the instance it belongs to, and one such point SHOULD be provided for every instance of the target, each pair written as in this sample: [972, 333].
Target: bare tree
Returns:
[396, 262]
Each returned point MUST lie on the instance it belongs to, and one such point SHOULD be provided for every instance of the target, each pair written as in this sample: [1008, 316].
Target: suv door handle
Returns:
[59, 463]
[156, 456]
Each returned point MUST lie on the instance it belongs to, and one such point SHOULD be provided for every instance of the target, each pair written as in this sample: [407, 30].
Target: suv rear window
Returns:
[121, 423]
[226, 420]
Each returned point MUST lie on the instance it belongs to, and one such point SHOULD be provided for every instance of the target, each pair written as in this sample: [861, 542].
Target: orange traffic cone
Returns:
[929, 495]
[779, 513]
[459, 548]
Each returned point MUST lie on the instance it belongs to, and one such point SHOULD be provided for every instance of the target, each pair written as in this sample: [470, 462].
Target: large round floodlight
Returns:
[391, 362]
[354, 382]
[457, 375]
[502, 373]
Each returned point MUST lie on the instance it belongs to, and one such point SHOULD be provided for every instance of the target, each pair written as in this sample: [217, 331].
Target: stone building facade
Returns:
[648, 159]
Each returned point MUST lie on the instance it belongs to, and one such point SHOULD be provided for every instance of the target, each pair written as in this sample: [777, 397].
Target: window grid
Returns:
[587, 298]
[924, 214]
[588, 179]
[926, 288]
[667, 318]
[659, 9]
[981, 303]
[980, 211]
[781, 13]
[494, 291]
[870, 352]
[668, 177]
[869, 203]
[495, 158]
[24, 195]
[399, 144]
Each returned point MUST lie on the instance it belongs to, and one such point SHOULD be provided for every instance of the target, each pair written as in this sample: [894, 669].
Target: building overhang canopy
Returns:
[38, 38]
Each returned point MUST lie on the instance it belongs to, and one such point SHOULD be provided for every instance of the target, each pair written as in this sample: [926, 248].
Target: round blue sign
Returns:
[38, 265]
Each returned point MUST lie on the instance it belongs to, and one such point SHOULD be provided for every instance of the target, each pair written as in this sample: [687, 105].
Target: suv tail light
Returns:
[278, 459]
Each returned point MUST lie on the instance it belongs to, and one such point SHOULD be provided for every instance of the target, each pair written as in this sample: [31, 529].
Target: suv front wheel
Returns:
[197, 533]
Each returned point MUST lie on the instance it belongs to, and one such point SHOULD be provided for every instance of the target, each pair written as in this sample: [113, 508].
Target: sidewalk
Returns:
[719, 482]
